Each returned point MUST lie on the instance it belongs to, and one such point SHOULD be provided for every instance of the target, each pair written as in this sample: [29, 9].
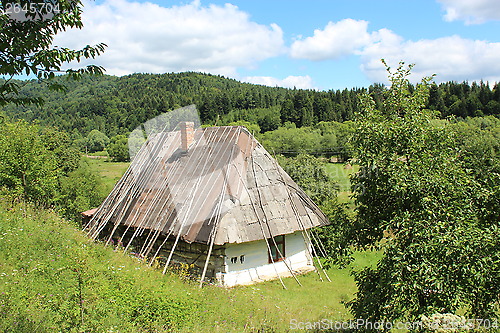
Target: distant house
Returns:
[214, 199]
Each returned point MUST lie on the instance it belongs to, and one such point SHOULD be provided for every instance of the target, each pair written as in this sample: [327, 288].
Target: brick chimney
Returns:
[187, 134]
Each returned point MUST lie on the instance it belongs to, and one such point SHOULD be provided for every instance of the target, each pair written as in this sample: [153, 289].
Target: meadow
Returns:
[54, 279]
[110, 172]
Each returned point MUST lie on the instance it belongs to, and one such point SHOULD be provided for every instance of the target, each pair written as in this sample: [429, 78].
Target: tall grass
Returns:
[54, 279]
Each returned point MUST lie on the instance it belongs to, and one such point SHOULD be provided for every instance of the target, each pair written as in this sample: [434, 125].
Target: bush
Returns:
[118, 149]
[96, 141]
[79, 191]
[27, 167]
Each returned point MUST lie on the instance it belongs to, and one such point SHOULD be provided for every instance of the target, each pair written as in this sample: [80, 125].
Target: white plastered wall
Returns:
[255, 266]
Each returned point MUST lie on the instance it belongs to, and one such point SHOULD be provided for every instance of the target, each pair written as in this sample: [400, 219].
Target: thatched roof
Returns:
[224, 188]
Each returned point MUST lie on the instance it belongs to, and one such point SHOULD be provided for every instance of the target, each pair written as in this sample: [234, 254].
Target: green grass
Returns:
[99, 153]
[269, 304]
[340, 173]
[54, 279]
[48, 268]
[110, 172]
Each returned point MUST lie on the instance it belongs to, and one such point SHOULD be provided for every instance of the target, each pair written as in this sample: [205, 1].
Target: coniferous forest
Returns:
[117, 105]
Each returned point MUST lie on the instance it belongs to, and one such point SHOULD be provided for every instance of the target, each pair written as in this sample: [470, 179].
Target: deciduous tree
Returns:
[97, 141]
[27, 30]
[118, 148]
[27, 169]
[441, 251]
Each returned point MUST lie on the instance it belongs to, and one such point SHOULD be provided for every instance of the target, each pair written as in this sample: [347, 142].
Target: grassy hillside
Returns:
[53, 279]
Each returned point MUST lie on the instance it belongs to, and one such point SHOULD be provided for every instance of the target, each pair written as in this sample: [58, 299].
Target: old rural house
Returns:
[214, 199]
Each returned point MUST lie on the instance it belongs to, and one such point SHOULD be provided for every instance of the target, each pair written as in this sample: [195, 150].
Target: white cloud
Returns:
[144, 37]
[299, 82]
[450, 58]
[336, 40]
[471, 11]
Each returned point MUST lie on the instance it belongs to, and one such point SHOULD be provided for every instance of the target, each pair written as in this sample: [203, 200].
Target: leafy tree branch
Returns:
[26, 46]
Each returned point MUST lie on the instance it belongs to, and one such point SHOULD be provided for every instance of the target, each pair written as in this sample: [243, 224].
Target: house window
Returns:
[277, 248]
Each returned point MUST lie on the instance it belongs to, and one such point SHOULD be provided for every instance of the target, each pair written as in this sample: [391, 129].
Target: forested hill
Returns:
[116, 105]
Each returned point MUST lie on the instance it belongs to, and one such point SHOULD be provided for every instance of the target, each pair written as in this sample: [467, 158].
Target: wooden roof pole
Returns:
[153, 235]
[183, 223]
[218, 218]
[261, 227]
[132, 190]
[305, 235]
[265, 218]
[150, 169]
[269, 229]
[171, 229]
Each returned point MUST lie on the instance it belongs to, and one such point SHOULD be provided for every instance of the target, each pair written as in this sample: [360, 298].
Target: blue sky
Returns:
[318, 44]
